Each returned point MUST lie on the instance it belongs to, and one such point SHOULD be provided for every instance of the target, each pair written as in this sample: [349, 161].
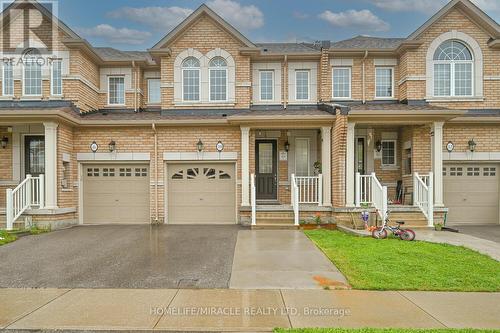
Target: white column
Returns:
[350, 165]
[50, 165]
[245, 166]
[437, 162]
[326, 164]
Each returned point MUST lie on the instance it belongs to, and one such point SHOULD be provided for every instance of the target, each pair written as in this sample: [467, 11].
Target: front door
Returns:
[34, 155]
[266, 169]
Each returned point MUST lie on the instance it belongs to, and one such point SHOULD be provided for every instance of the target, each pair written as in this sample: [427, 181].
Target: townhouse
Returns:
[208, 127]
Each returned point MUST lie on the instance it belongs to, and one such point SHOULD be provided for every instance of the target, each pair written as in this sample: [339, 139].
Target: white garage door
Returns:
[471, 192]
[201, 193]
[116, 193]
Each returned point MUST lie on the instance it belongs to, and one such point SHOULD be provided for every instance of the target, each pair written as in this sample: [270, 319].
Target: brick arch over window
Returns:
[204, 64]
[477, 54]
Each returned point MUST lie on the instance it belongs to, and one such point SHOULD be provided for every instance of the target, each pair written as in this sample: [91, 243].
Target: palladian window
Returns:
[453, 70]
[218, 79]
[191, 79]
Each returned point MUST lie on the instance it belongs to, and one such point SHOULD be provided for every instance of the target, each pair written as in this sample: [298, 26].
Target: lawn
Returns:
[392, 264]
[380, 330]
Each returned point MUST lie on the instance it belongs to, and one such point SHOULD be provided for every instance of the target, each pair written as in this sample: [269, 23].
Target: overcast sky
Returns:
[139, 24]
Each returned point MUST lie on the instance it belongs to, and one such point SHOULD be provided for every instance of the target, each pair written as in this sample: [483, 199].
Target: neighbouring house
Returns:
[208, 127]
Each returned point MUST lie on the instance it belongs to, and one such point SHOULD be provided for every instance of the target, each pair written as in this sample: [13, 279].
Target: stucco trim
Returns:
[469, 156]
[113, 157]
[203, 156]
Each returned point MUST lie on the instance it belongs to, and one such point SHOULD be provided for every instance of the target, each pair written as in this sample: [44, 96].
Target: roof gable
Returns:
[470, 9]
[202, 10]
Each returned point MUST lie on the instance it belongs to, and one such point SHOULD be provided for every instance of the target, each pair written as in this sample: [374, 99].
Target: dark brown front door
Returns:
[34, 155]
[266, 173]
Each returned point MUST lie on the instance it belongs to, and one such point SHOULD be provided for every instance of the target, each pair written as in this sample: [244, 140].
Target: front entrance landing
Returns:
[281, 259]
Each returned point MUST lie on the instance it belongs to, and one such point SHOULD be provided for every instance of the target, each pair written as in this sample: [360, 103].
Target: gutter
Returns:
[285, 84]
[135, 86]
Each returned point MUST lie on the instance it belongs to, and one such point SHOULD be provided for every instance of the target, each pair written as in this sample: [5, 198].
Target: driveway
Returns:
[121, 257]
[489, 232]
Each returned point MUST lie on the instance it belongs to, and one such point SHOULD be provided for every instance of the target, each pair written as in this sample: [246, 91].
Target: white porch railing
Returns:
[423, 195]
[30, 193]
[369, 191]
[295, 199]
[253, 199]
[310, 189]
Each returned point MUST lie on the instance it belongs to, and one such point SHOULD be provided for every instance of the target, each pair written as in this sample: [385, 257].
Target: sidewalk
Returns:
[242, 310]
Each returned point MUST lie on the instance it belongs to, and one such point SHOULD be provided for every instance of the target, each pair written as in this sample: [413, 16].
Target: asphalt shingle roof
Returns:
[281, 48]
[365, 42]
[111, 54]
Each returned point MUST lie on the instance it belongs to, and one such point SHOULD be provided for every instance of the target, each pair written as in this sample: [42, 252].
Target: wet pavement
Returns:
[132, 256]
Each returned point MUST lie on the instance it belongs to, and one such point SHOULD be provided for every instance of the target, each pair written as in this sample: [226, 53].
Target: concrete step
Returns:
[275, 220]
[274, 226]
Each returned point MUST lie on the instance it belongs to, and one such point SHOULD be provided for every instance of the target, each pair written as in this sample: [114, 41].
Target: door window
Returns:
[302, 157]
[265, 158]
[34, 155]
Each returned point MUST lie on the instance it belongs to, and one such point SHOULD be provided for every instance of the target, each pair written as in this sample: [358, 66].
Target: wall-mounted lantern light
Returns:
[94, 146]
[5, 141]
[219, 146]
[287, 146]
[112, 146]
[378, 146]
[200, 146]
[472, 145]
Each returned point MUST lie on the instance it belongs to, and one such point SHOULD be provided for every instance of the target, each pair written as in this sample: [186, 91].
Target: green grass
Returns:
[392, 264]
[5, 237]
[380, 330]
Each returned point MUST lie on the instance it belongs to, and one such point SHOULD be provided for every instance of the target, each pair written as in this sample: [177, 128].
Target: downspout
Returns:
[363, 78]
[285, 84]
[135, 86]
[153, 126]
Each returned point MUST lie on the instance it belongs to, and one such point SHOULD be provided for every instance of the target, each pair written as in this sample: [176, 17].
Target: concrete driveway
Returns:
[489, 232]
[121, 257]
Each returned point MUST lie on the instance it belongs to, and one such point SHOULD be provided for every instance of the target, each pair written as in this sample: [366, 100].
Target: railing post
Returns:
[415, 189]
[253, 199]
[41, 189]
[28, 191]
[357, 190]
[320, 189]
[10, 210]
[430, 200]
[384, 203]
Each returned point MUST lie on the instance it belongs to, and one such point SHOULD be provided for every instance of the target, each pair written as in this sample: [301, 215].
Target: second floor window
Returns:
[154, 91]
[342, 82]
[302, 85]
[191, 79]
[384, 79]
[266, 85]
[116, 88]
[56, 78]
[32, 78]
[218, 79]
[453, 70]
[8, 79]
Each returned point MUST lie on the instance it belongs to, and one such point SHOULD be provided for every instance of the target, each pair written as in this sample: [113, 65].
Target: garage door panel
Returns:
[471, 192]
[116, 194]
[201, 193]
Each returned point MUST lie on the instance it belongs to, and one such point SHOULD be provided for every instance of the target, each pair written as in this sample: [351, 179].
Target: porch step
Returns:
[274, 226]
[411, 218]
[274, 219]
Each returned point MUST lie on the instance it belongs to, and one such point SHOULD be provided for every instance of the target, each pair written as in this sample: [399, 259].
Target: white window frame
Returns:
[24, 82]
[199, 82]
[3, 79]
[149, 90]
[59, 61]
[272, 85]
[392, 82]
[210, 83]
[109, 91]
[308, 155]
[452, 64]
[395, 153]
[350, 82]
[308, 84]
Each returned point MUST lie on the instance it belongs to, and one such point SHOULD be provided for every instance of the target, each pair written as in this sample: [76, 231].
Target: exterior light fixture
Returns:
[472, 145]
[112, 146]
[287, 146]
[5, 141]
[200, 146]
[94, 146]
[450, 146]
[378, 146]
[219, 146]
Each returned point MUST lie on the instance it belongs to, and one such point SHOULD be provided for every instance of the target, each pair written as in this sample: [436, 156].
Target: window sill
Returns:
[385, 99]
[31, 98]
[389, 167]
[212, 104]
[343, 99]
[6, 98]
[455, 99]
[114, 106]
[66, 190]
[56, 98]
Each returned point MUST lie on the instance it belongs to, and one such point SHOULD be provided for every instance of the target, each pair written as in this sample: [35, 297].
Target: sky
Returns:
[139, 24]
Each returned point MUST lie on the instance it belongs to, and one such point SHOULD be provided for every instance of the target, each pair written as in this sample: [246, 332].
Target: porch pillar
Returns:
[437, 162]
[350, 165]
[326, 164]
[245, 166]
[50, 165]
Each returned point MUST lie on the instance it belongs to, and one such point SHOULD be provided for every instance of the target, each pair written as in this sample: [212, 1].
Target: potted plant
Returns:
[317, 167]
[438, 226]
[317, 220]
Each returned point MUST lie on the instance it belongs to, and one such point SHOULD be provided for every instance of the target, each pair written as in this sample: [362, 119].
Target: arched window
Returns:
[218, 79]
[191, 79]
[453, 70]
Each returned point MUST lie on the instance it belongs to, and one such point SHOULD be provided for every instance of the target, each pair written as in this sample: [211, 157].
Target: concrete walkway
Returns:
[242, 310]
[281, 259]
